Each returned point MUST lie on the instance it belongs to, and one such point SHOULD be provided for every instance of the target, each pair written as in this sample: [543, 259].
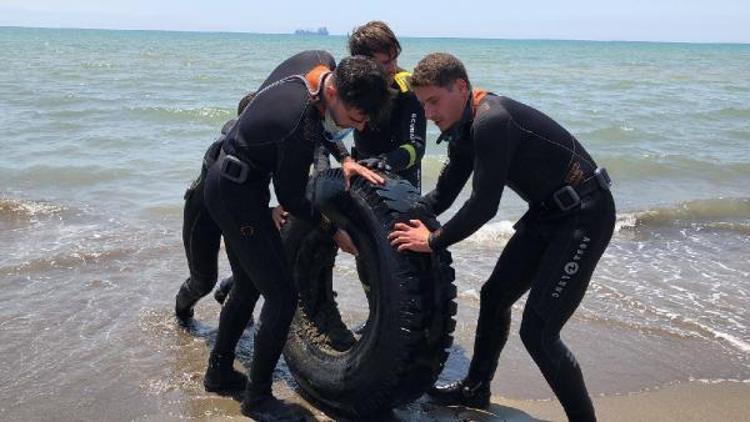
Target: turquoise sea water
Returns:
[102, 131]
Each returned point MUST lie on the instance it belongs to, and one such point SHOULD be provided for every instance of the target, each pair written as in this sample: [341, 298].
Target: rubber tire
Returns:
[412, 305]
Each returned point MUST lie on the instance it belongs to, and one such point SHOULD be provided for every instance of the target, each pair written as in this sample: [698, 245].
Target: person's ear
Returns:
[329, 91]
[462, 86]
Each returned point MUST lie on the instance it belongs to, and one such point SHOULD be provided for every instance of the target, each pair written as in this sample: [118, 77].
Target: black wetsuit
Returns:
[552, 252]
[275, 137]
[201, 236]
[400, 138]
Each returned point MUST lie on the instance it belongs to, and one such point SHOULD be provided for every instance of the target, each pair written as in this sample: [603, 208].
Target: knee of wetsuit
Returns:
[532, 331]
[491, 293]
[281, 316]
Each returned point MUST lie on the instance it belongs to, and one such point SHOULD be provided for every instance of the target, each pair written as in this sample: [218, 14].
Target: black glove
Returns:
[375, 163]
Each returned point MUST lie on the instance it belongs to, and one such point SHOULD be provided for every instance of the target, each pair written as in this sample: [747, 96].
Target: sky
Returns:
[631, 20]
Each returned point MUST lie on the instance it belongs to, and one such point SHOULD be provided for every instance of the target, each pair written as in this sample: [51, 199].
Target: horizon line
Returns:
[207, 31]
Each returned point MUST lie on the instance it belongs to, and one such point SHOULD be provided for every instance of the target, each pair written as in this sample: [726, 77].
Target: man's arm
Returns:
[411, 134]
[348, 165]
[290, 179]
[337, 149]
[228, 126]
[493, 151]
[451, 180]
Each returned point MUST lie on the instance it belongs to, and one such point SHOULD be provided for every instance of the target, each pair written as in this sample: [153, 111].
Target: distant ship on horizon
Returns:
[320, 31]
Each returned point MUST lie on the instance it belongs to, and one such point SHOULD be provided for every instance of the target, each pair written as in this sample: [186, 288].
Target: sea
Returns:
[102, 131]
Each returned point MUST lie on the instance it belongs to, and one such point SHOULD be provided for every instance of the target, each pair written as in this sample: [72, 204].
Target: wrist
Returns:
[431, 238]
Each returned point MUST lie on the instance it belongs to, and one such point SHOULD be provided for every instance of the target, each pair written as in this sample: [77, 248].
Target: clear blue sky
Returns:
[636, 20]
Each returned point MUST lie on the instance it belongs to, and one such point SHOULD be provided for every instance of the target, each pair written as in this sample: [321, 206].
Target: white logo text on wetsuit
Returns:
[571, 267]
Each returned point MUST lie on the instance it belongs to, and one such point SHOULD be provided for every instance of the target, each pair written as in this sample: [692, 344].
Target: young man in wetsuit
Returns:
[557, 243]
[201, 236]
[397, 140]
[300, 105]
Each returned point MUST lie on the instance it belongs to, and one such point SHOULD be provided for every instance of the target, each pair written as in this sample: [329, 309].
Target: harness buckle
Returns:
[566, 198]
[234, 169]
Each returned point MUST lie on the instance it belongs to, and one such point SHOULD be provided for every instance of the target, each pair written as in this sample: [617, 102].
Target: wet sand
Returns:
[162, 381]
[694, 401]
[727, 401]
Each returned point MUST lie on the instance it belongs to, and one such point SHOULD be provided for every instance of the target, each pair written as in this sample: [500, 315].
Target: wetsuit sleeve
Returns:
[228, 126]
[336, 149]
[493, 150]
[410, 134]
[290, 179]
[452, 179]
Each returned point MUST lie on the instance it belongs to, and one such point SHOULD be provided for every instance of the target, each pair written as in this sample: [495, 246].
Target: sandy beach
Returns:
[726, 401]
[692, 401]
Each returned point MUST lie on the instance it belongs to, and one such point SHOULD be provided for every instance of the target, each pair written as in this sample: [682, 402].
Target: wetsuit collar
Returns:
[470, 110]
[319, 96]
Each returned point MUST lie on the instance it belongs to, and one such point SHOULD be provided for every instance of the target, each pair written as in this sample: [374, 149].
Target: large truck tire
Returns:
[403, 347]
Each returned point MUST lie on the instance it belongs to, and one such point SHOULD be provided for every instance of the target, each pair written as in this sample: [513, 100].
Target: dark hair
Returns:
[373, 37]
[245, 101]
[360, 83]
[438, 69]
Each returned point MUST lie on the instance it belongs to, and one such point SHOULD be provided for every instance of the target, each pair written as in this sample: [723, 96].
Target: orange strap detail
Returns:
[476, 97]
[313, 77]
